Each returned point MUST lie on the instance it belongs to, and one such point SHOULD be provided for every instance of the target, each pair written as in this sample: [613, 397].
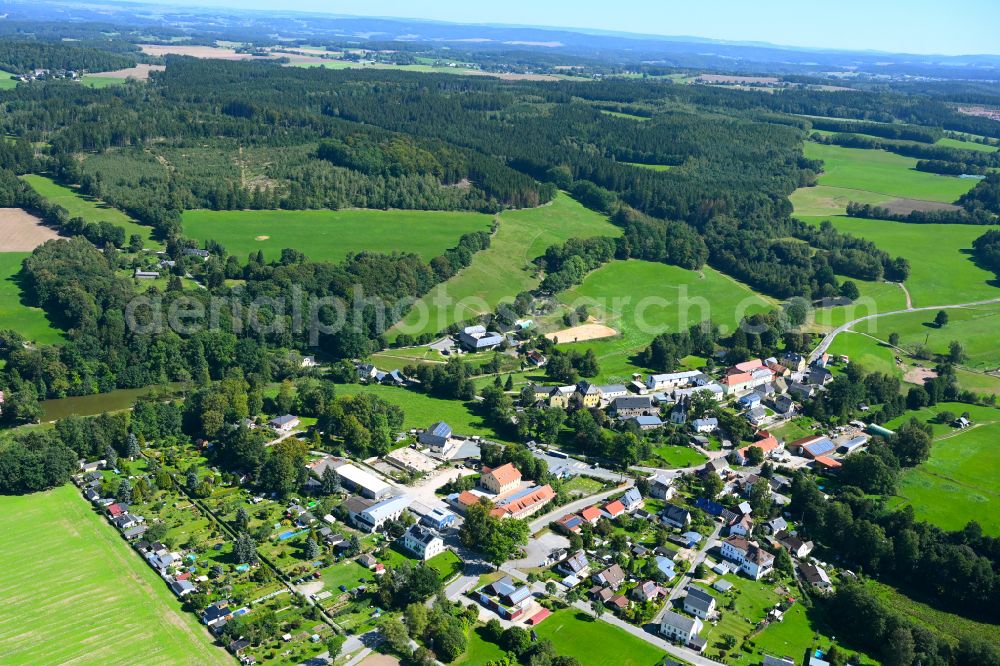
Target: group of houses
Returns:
[504, 488]
[629, 503]
[369, 374]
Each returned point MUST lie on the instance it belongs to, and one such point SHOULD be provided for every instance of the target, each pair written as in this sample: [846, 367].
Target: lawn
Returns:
[29, 321]
[74, 592]
[882, 172]
[421, 409]
[867, 352]
[89, 208]
[875, 297]
[958, 482]
[499, 273]
[941, 268]
[975, 328]
[642, 299]
[350, 574]
[479, 651]
[576, 634]
[672, 456]
[331, 234]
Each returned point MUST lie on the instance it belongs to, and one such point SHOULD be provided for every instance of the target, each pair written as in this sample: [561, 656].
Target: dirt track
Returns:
[582, 333]
[22, 232]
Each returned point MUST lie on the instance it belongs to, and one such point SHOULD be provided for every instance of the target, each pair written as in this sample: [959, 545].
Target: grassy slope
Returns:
[642, 299]
[502, 271]
[958, 482]
[329, 235]
[75, 592]
[884, 173]
[968, 145]
[866, 352]
[575, 634]
[90, 209]
[30, 322]
[875, 297]
[942, 271]
[975, 327]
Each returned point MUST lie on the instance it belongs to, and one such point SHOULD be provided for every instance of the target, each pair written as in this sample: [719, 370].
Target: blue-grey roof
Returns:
[631, 496]
[648, 420]
[441, 429]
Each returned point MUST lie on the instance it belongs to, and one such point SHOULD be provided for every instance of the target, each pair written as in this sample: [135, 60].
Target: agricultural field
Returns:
[941, 268]
[29, 321]
[505, 269]
[883, 173]
[97, 602]
[948, 142]
[89, 208]
[576, 634]
[330, 235]
[975, 327]
[827, 200]
[20, 231]
[875, 297]
[642, 299]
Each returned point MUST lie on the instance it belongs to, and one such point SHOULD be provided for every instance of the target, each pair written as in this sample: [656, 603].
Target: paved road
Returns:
[829, 337]
[699, 557]
[651, 638]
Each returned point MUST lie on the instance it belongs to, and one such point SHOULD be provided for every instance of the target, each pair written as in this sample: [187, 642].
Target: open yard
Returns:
[642, 299]
[27, 320]
[941, 268]
[74, 592]
[89, 208]
[505, 269]
[331, 234]
[883, 173]
[576, 634]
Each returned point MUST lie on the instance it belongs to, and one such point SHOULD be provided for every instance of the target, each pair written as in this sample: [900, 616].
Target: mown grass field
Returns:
[958, 482]
[641, 299]
[941, 267]
[651, 167]
[75, 592]
[948, 142]
[866, 352]
[421, 410]
[89, 208]
[827, 200]
[883, 173]
[29, 321]
[505, 269]
[975, 327]
[332, 234]
[576, 634]
[875, 297]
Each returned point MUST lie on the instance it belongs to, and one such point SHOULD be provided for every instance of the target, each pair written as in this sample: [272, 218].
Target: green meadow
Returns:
[827, 200]
[75, 592]
[958, 482]
[870, 354]
[505, 269]
[875, 297]
[948, 142]
[332, 234]
[575, 634]
[883, 173]
[29, 321]
[641, 299]
[89, 208]
[975, 327]
[941, 268]
[651, 167]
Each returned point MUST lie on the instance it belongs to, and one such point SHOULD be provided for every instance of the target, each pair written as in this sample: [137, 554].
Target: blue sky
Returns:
[907, 26]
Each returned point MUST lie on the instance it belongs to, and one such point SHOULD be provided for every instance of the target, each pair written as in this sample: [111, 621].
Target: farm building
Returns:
[362, 482]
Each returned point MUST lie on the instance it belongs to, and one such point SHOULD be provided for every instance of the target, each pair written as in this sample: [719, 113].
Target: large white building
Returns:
[372, 517]
[754, 561]
[669, 382]
[677, 627]
[423, 542]
[362, 482]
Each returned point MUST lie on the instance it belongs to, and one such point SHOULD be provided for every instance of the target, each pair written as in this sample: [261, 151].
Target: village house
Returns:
[814, 576]
[661, 487]
[423, 542]
[610, 392]
[436, 436]
[793, 361]
[675, 516]
[679, 628]
[628, 407]
[766, 442]
[671, 381]
[647, 591]
[742, 527]
[793, 544]
[646, 422]
[504, 598]
[285, 423]
[500, 480]
[587, 395]
[705, 425]
[369, 516]
[477, 338]
[591, 514]
[699, 603]
[754, 561]
[611, 577]
[614, 509]
[525, 503]
[576, 564]
[632, 500]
